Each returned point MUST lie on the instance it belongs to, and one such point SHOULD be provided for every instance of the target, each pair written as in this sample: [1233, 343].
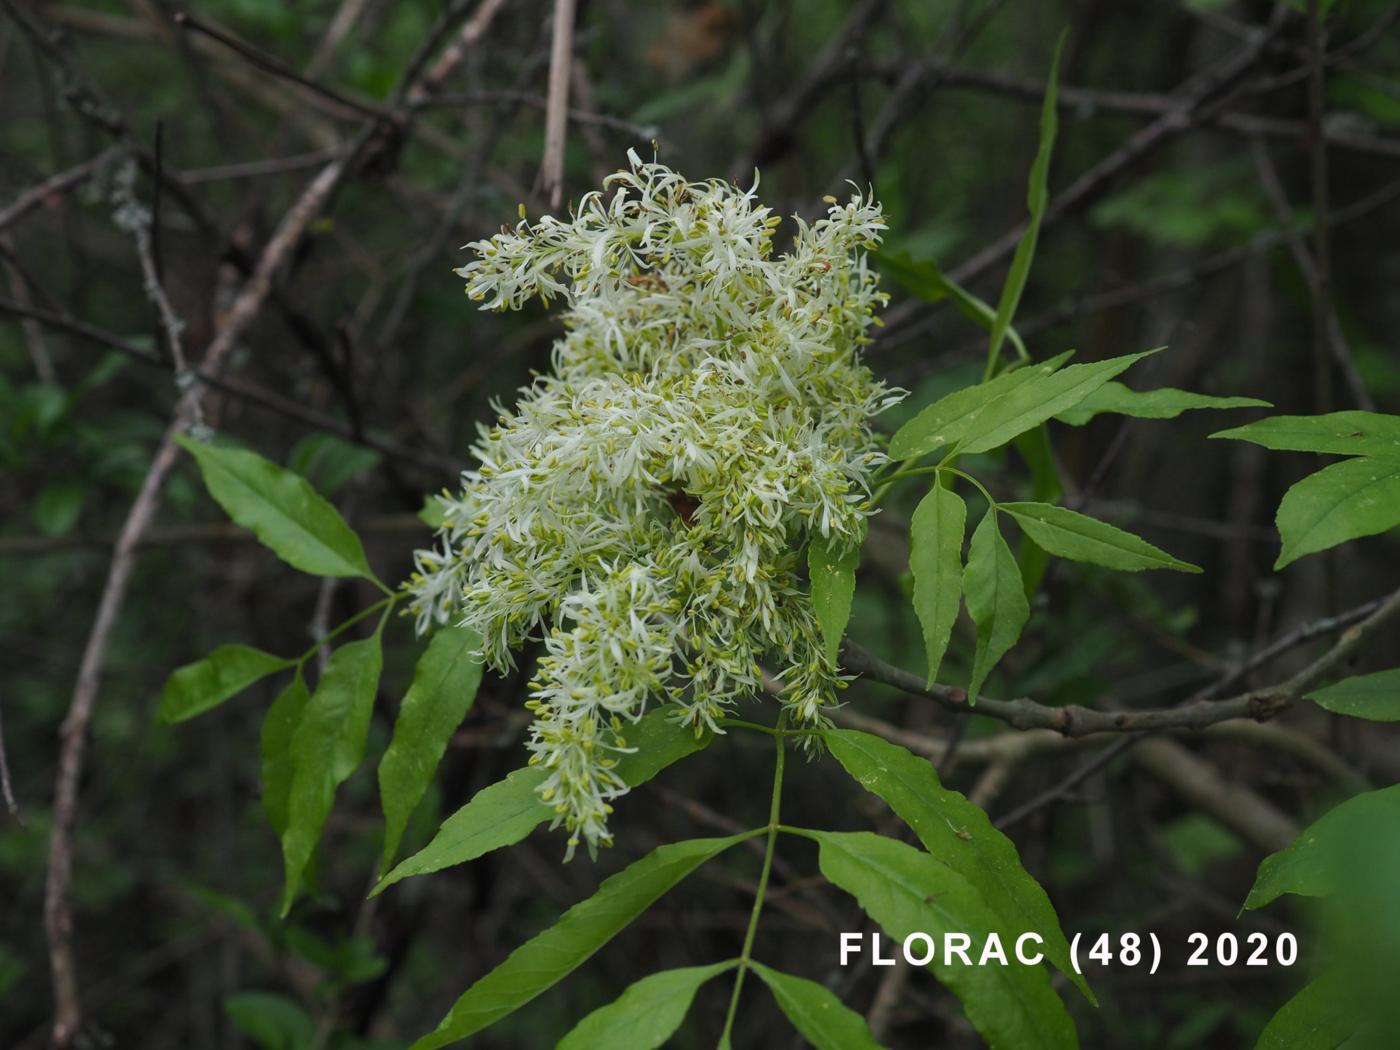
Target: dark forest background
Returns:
[299, 177]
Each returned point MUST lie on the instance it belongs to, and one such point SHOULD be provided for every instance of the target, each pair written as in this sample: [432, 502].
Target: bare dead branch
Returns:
[551, 179]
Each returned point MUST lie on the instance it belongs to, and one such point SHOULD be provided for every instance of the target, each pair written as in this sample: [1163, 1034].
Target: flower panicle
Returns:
[639, 508]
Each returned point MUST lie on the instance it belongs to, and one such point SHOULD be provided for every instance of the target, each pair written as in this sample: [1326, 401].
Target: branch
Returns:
[1233, 804]
[51, 187]
[1201, 103]
[1140, 291]
[1074, 720]
[276, 67]
[58, 905]
[556, 121]
[249, 392]
[1088, 102]
[11, 806]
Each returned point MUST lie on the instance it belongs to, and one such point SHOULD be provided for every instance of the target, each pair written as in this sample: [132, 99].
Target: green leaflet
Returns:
[58, 508]
[499, 815]
[327, 746]
[944, 422]
[433, 513]
[278, 728]
[1046, 487]
[906, 890]
[282, 510]
[1037, 197]
[273, 1022]
[1353, 498]
[549, 957]
[1320, 1017]
[935, 559]
[996, 599]
[959, 834]
[1313, 864]
[658, 739]
[1069, 534]
[646, 1014]
[445, 682]
[1162, 403]
[224, 673]
[1372, 696]
[814, 1010]
[508, 810]
[1032, 403]
[833, 576]
[929, 283]
[1352, 433]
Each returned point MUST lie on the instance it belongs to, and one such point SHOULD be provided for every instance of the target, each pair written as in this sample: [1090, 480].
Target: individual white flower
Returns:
[642, 507]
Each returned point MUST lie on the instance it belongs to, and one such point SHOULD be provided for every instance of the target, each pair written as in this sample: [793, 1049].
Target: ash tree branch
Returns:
[1074, 720]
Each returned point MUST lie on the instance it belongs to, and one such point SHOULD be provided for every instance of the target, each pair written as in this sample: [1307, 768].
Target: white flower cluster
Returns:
[643, 506]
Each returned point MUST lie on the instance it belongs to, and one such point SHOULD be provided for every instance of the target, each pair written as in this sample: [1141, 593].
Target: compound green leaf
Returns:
[508, 810]
[1162, 403]
[224, 673]
[832, 567]
[935, 560]
[906, 891]
[996, 599]
[1344, 501]
[646, 1014]
[281, 509]
[549, 957]
[1375, 697]
[444, 686]
[1351, 433]
[959, 834]
[814, 1010]
[327, 746]
[1312, 865]
[1032, 403]
[1068, 534]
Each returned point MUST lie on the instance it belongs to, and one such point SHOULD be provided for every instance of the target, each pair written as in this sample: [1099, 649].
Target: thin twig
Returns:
[6, 788]
[268, 64]
[1152, 287]
[1074, 720]
[58, 906]
[556, 120]
[1067, 784]
[453, 55]
[252, 394]
[142, 231]
[1085, 102]
[1205, 99]
[51, 187]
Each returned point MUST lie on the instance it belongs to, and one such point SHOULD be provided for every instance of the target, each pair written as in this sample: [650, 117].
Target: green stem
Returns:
[739, 723]
[968, 477]
[747, 952]
[914, 472]
[387, 604]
